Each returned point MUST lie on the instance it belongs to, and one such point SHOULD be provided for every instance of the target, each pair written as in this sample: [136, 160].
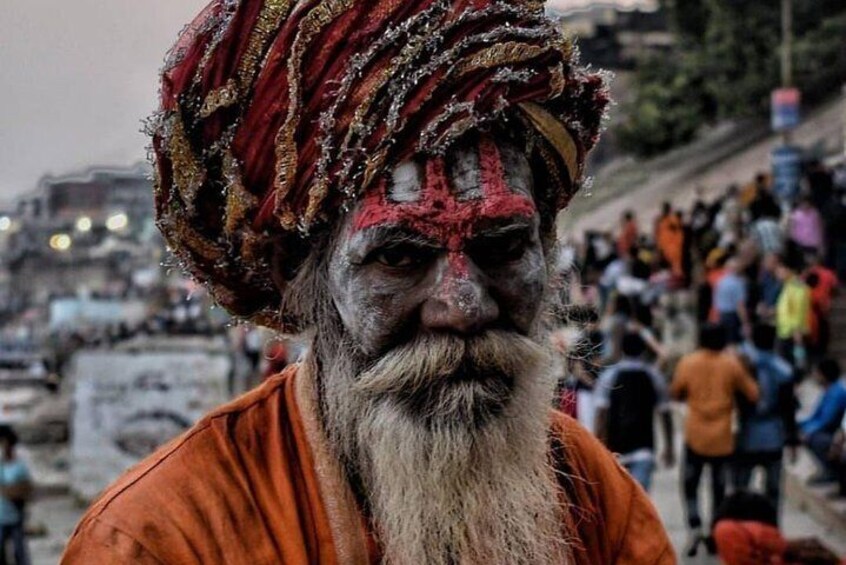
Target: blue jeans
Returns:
[819, 443]
[15, 534]
[770, 461]
[730, 321]
[641, 471]
[691, 476]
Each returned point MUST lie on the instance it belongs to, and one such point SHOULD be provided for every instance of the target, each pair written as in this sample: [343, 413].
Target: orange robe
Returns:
[669, 238]
[253, 483]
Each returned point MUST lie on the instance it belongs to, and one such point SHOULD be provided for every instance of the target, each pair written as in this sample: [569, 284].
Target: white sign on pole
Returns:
[127, 404]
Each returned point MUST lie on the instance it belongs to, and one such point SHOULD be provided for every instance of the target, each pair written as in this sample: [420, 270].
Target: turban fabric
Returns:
[277, 114]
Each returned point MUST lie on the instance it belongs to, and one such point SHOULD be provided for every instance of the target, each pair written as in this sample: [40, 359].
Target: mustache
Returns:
[434, 358]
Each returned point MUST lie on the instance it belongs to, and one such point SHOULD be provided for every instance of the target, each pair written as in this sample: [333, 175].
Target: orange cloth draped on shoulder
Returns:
[669, 237]
[253, 483]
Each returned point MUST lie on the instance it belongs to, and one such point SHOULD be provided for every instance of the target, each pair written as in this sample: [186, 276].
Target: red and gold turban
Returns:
[277, 114]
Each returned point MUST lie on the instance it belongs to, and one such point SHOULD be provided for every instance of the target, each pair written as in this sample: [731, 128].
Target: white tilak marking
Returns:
[406, 183]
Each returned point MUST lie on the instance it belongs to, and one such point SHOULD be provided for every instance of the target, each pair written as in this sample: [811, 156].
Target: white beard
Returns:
[444, 489]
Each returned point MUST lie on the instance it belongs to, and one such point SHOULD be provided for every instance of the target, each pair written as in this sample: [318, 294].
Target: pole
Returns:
[786, 53]
[786, 43]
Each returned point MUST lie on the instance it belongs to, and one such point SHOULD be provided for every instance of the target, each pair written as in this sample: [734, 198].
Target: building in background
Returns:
[80, 233]
[615, 35]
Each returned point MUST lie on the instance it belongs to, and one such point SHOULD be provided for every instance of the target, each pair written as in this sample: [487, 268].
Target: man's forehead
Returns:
[476, 186]
[465, 167]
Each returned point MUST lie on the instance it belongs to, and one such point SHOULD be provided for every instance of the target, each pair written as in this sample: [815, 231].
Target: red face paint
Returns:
[439, 215]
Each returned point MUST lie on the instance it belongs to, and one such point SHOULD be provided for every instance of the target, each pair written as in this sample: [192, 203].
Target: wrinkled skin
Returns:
[427, 256]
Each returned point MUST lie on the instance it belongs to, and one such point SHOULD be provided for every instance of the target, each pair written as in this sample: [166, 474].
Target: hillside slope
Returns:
[730, 154]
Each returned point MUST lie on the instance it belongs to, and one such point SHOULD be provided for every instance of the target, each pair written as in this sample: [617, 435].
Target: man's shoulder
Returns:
[692, 359]
[615, 519]
[199, 475]
[580, 454]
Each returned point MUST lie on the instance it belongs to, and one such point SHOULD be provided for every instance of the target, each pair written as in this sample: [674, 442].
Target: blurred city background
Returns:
[107, 350]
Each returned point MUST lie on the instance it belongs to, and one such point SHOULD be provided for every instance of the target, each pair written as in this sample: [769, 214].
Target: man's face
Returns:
[434, 391]
[449, 245]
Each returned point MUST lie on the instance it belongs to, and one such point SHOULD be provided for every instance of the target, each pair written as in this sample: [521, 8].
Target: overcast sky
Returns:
[77, 78]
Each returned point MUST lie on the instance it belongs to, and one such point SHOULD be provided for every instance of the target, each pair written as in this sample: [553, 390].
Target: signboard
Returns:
[75, 312]
[128, 403]
[785, 108]
[787, 172]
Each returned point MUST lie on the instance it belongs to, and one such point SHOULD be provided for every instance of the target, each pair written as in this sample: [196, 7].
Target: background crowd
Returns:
[725, 307]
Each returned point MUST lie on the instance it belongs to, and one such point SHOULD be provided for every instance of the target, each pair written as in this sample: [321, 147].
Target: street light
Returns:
[5, 223]
[61, 242]
[117, 222]
[83, 224]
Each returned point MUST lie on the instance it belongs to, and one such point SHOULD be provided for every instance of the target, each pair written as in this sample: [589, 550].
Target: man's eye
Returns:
[495, 251]
[513, 248]
[402, 256]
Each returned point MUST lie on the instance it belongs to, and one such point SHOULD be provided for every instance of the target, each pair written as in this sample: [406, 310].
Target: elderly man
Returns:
[384, 174]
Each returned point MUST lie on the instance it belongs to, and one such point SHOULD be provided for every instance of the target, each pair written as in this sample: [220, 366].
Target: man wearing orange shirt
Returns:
[384, 175]
[708, 380]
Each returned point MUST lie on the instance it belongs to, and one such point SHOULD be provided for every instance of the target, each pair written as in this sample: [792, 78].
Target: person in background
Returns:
[628, 234]
[764, 204]
[715, 270]
[701, 227]
[793, 312]
[746, 533]
[731, 218]
[627, 395]
[579, 361]
[817, 431]
[768, 236]
[822, 283]
[15, 490]
[820, 184]
[730, 297]
[618, 316]
[688, 255]
[619, 267]
[252, 343]
[769, 288]
[806, 227]
[669, 238]
[768, 426]
[708, 380]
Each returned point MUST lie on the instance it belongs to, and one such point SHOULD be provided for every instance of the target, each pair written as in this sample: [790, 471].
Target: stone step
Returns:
[818, 501]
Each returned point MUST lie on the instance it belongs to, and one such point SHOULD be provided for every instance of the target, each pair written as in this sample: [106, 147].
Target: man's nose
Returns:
[460, 301]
